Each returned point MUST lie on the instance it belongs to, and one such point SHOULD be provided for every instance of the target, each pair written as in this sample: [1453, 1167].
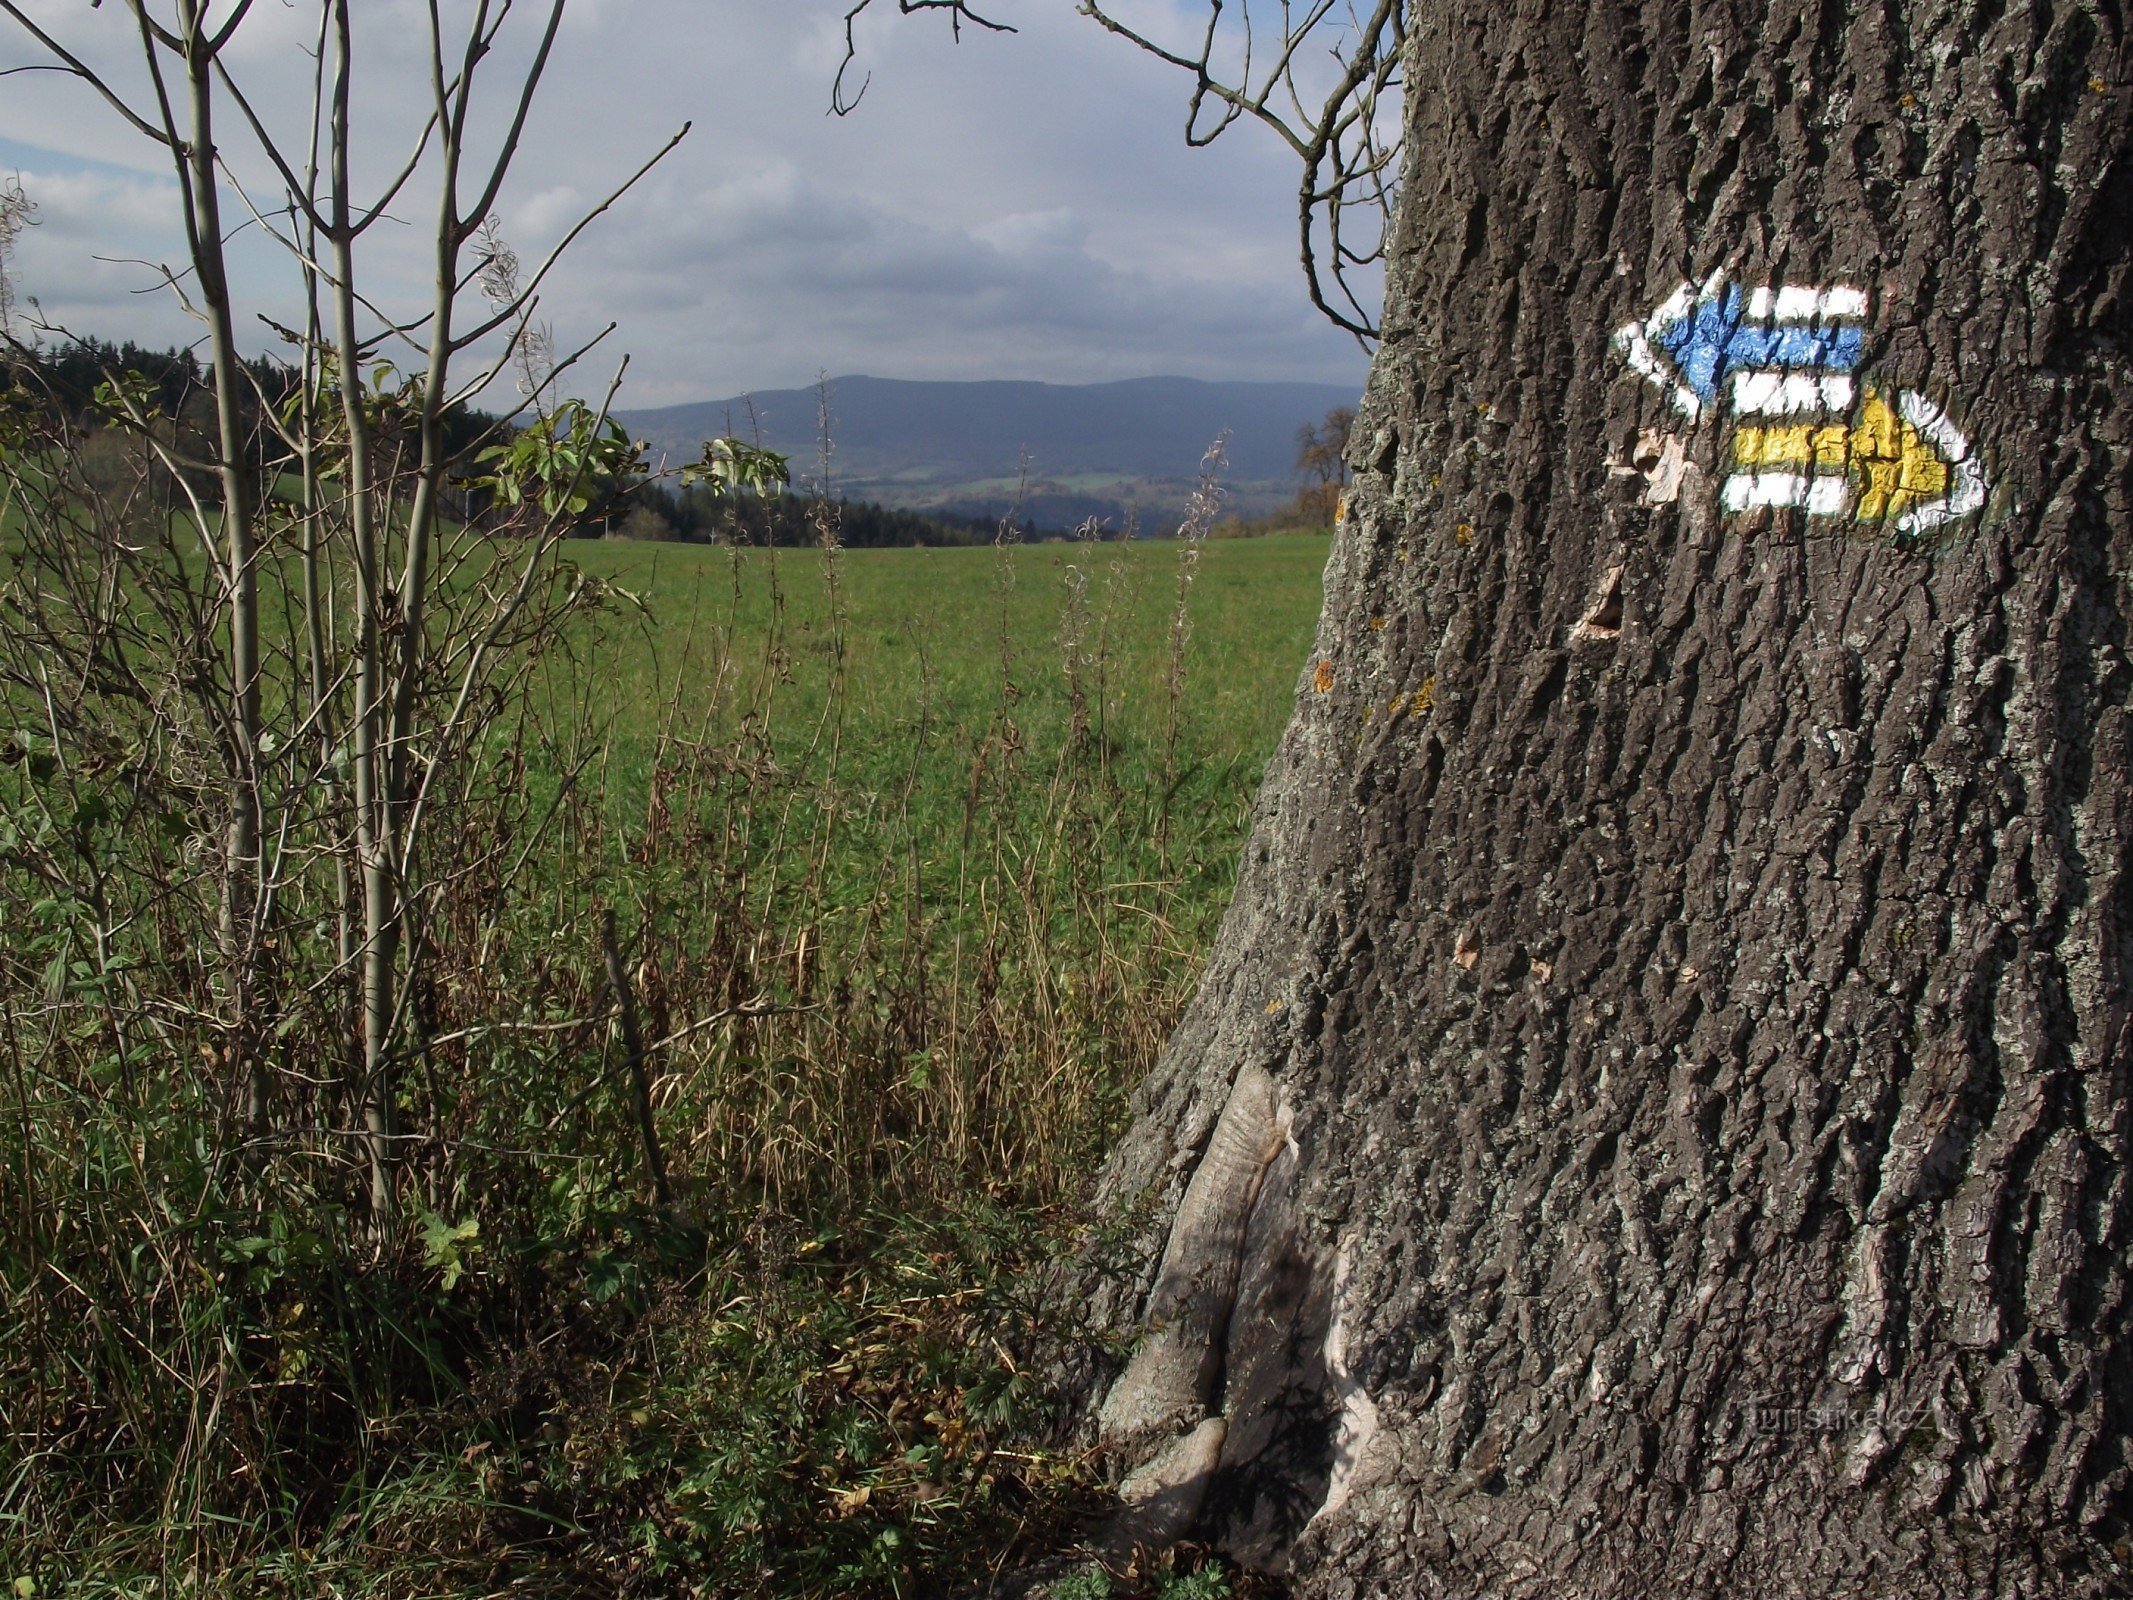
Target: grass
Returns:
[934, 777]
[911, 614]
[914, 855]
[937, 672]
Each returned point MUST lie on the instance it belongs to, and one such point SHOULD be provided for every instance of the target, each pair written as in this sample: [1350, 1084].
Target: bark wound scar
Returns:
[1358, 1424]
[1603, 618]
[1173, 1371]
[1662, 460]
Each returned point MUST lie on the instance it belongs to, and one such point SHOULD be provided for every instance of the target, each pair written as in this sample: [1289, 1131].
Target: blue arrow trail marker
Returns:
[1808, 434]
[1696, 339]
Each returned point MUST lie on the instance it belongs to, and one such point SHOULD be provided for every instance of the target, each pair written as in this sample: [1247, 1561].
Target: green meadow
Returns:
[1014, 779]
[935, 633]
[912, 857]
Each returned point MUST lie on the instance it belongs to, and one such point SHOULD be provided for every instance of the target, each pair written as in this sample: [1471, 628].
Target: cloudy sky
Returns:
[1013, 206]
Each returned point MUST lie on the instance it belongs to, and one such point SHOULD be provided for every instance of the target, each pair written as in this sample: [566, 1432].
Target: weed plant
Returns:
[909, 856]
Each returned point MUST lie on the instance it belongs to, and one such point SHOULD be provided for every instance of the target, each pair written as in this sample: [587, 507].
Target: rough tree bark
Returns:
[1673, 1023]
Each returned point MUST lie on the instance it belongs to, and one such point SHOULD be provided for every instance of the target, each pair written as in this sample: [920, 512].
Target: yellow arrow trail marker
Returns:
[1903, 463]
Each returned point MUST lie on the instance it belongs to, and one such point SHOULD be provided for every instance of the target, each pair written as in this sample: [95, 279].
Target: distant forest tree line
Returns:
[65, 380]
[700, 515]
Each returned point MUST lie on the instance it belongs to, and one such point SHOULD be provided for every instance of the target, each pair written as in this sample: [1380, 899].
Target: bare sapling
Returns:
[407, 586]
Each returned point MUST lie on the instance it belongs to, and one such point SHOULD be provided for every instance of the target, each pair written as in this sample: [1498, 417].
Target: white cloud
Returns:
[99, 208]
[1029, 233]
[1016, 206]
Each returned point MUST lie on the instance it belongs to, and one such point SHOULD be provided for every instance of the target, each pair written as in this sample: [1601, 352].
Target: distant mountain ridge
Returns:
[1093, 449]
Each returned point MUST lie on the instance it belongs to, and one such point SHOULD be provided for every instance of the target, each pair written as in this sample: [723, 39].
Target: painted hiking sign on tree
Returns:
[1808, 433]
[1656, 1120]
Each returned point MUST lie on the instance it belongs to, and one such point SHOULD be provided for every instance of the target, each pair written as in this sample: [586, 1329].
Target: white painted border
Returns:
[1634, 342]
[1793, 302]
[1778, 391]
[1966, 487]
[1821, 494]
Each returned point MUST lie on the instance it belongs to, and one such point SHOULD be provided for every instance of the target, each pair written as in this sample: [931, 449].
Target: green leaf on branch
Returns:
[730, 466]
[564, 462]
[450, 1246]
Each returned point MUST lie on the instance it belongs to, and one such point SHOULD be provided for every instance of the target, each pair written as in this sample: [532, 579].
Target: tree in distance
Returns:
[1321, 461]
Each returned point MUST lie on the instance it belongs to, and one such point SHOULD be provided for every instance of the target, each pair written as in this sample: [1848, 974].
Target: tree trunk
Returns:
[241, 871]
[1677, 993]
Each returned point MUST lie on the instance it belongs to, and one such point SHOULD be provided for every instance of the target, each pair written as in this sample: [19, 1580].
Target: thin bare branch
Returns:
[1345, 161]
[75, 65]
[510, 312]
[471, 218]
[222, 34]
[959, 12]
